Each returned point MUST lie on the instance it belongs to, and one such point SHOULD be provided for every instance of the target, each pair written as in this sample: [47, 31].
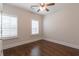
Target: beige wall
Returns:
[1, 48]
[24, 26]
[63, 25]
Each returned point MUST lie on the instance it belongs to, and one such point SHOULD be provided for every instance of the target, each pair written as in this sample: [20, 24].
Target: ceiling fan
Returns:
[43, 6]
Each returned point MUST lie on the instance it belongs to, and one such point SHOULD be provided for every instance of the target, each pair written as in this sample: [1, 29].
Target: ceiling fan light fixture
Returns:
[42, 8]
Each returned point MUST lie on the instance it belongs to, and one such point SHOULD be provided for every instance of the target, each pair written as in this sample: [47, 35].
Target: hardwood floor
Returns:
[41, 48]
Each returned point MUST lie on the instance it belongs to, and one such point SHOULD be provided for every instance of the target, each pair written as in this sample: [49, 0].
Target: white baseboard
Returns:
[19, 43]
[48, 39]
[63, 43]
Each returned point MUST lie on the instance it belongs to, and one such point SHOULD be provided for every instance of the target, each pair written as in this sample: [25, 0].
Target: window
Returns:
[35, 27]
[8, 26]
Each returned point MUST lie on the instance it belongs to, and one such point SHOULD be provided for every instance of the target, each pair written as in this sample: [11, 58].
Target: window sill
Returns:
[6, 38]
[34, 34]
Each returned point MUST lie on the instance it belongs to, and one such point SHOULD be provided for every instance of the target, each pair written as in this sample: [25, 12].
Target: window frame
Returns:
[15, 36]
[37, 26]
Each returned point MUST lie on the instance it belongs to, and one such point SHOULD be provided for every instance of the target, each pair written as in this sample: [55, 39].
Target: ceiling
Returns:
[27, 6]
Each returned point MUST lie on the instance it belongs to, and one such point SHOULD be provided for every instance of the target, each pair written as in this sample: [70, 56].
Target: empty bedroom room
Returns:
[39, 29]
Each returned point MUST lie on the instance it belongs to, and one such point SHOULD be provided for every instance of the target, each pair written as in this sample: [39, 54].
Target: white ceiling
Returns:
[27, 6]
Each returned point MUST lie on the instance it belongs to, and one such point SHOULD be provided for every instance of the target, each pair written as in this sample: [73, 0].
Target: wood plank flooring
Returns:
[41, 48]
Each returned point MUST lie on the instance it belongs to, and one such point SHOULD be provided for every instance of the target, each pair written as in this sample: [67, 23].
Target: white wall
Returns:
[24, 26]
[62, 26]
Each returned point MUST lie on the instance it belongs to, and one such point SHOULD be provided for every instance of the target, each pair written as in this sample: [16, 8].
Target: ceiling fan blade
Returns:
[50, 4]
[47, 9]
[38, 10]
